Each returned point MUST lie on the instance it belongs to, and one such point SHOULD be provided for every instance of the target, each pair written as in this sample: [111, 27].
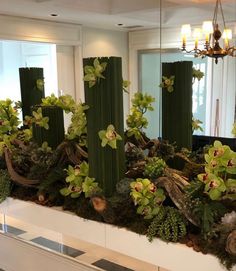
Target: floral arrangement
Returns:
[194, 204]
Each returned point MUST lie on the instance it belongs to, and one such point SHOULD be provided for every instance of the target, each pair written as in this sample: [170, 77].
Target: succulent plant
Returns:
[154, 168]
[168, 224]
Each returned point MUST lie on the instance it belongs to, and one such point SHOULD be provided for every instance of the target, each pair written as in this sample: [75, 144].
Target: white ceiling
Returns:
[108, 13]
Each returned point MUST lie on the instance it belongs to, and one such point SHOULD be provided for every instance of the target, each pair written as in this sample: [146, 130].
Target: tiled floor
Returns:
[98, 256]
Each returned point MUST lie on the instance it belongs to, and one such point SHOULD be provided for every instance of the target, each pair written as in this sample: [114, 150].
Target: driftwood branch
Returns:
[176, 195]
[14, 175]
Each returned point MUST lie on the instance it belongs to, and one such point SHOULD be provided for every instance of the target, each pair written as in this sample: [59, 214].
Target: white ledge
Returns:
[174, 257]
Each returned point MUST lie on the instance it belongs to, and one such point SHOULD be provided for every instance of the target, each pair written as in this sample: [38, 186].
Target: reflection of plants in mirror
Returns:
[147, 196]
[40, 84]
[79, 182]
[234, 130]
[168, 83]
[154, 168]
[197, 74]
[37, 119]
[136, 121]
[168, 224]
[5, 185]
[196, 125]
[219, 179]
[126, 84]
[109, 137]
[94, 73]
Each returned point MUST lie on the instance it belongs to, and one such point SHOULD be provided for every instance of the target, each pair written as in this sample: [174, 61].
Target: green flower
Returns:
[147, 196]
[167, 83]
[109, 137]
[126, 84]
[197, 74]
[94, 73]
[234, 130]
[196, 125]
[214, 187]
[40, 84]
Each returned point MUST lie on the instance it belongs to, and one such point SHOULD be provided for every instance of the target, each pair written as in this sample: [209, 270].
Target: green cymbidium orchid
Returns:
[126, 84]
[168, 83]
[40, 84]
[79, 182]
[149, 198]
[220, 170]
[109, 137]
[39, 119]
[94, 73]
[234, 130]
[196, 125]
[197, 74]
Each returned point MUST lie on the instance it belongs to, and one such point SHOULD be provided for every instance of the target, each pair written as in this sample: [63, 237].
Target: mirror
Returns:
[214, 96]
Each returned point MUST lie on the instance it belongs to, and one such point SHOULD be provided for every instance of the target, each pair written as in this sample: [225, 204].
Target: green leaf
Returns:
[65, 191]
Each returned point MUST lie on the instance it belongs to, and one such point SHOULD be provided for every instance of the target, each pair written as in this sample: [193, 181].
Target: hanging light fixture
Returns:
[212, 35]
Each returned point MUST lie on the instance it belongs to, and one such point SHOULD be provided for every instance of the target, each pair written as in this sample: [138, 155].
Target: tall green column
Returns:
[55, 134]
[105, 101]
[31, 93]
[177, 105]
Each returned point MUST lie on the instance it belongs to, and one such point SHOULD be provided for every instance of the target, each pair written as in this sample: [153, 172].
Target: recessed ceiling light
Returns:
[119, 24]
[54, 15]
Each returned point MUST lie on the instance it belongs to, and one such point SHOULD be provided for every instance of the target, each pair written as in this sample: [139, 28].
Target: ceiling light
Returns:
[212, 35]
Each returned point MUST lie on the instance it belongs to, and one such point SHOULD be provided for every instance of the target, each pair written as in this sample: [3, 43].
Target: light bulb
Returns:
[197, 34]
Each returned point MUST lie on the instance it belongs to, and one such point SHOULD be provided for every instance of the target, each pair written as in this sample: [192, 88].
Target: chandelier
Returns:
[212, 35]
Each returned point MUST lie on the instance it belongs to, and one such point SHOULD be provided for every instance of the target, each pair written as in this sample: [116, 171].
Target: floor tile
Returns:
[10, 229]
[110, 266]
[57, 247]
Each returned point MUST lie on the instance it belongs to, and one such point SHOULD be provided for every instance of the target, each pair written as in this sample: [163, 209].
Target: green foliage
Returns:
[219, 179]
[234, 130]
[94, 73]
[126, 84]
[168, 83]
[208, 213]
[40, 84]
[79, 182]
[196, 125]
[147, 196]
[136, 120]
[78, 127]
[109, 137]
[168, 224]
[5, 185]
[154, 168]
[37, 119]
[197, 74]
[9, 122]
